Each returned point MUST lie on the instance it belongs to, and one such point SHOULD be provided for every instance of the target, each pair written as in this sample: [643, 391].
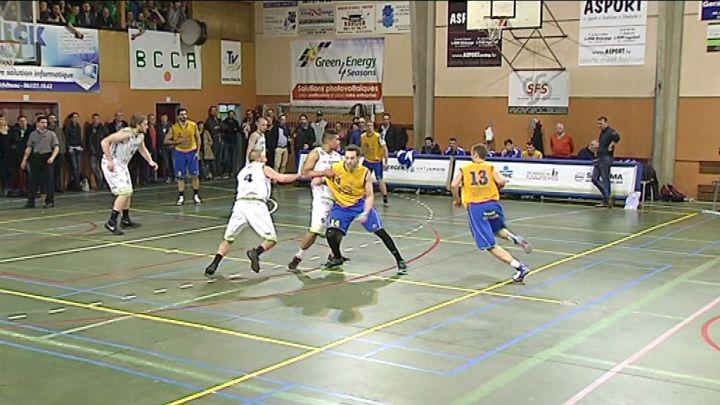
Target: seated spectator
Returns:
[453, 149]
[430, 147]
[530, 152]
[104, 19]
[589, 152]
[87, 16]
[561, 144]
[510, 150]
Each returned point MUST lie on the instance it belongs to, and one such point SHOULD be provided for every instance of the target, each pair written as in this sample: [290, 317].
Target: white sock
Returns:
[512, 237]
[299, 253]
[515, 264]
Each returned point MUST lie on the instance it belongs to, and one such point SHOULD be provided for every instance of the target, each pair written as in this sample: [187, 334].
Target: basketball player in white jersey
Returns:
[257, 142]
[118, 149]
[318, 161]
[253, 192]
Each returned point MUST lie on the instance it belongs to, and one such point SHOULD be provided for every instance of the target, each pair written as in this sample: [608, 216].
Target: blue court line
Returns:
[708, 247]
[547, 325]
[671, 233]
[236, 317]
[141, 374]
[483, 309]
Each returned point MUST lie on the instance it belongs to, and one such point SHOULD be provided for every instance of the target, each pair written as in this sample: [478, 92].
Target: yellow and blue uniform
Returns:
[373, 147]
[481, 196]
[348, 191]
[184, 154]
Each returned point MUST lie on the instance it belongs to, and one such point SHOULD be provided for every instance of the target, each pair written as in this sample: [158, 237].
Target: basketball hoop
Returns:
[9, 51]
[495, 27]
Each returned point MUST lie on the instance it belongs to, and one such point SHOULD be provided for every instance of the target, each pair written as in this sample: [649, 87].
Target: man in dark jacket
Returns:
[605, 155]
[94, 133]
[395, 137]
[304, 137]
[231, 151]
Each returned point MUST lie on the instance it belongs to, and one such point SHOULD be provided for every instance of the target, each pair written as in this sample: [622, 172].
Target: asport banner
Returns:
[337, 72]
[612, 33]
[160, 61]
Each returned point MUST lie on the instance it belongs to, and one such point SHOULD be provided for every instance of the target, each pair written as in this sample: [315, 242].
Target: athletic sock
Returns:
[334, 237]
[515, 264]
[181, 194]
[389, 244]
[113, 217]
[126, 215]
[196, 191]
[260, 250]
[217, 259]
[299, 253]
[512, 237]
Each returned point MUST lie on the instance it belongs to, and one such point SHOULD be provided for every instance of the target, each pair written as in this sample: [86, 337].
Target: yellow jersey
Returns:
[347, 187]
[478, 183]
[372, 146]
[536, 155]
[187, 134]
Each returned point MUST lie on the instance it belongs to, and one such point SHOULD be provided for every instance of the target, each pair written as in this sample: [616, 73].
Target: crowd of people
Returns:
[143, 15]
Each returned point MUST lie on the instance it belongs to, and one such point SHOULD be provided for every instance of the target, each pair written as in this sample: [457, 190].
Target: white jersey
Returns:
[260, 144]
[252, 183]
[325, 160]
[124, 151]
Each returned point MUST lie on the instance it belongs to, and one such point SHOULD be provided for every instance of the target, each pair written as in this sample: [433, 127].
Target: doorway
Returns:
[167, 108]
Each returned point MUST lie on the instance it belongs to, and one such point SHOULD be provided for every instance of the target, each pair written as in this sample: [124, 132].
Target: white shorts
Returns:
[320, 210]
[254, 213]
[118, 180]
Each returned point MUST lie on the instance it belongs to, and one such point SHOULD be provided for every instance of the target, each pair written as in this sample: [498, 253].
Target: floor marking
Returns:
[186, 286]
[157, 318]
[44, 217]
[56, 311]
[16, 317]
[416, 314]
[639, 354]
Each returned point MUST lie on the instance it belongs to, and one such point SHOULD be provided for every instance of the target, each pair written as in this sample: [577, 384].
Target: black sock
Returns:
[385, 198]
[113, 217]
[260, 250]
[389, 244]
[196, 191]
[181, 193]
[334, 237]
[217, 259]
[126, 215]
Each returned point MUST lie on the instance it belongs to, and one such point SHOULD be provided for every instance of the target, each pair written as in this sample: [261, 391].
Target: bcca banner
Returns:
[337, 72]
[159, 60]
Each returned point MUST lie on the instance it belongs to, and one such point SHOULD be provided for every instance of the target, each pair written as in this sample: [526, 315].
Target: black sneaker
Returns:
[49, 205]
[129, 224]
[211, 269]
[402, 268]
[252, 254]
[344, 259]
[294, 263]
[113, 229]
[333, 262]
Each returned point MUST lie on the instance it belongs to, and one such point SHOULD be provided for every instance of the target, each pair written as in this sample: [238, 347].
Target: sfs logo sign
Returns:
[537, 87]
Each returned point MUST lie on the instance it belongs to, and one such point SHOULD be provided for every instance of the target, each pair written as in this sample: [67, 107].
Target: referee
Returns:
[42, 148]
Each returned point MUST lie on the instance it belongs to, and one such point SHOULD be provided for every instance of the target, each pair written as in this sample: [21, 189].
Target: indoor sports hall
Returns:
[621, 303]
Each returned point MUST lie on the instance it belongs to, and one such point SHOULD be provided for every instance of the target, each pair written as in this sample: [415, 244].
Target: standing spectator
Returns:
[59, 165]
[453, 149]
[94, 134]
[42, 148]
[589, 152]
[214, 126]
[341, 133]
[530, 152]
[561, 144]
[175, 16]
[184, 136]
[207, 147]
[152, 144]
[73, 135]
[605, 155]
[510, 150]
[87, 17]
[280, 136]
[231, 150]
[395, 137]
[430, 147]
[356, 134]
[303, 138]
[9, 157]
[105, 19]
[166, 151]
[537, 136]
[318, 128]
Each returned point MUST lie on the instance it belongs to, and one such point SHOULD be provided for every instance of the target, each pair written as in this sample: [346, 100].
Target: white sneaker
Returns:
[196, 198]
[180, 201]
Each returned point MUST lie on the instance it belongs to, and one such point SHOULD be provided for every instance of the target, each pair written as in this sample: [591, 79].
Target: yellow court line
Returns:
[408, 317]
[66, 214]
[161, 319]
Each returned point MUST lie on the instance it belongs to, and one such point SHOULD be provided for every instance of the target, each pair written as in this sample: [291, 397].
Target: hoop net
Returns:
[495, 27]
[9, 51]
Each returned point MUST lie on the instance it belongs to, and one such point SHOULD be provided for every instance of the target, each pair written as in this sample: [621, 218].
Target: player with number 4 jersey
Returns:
[481, 185]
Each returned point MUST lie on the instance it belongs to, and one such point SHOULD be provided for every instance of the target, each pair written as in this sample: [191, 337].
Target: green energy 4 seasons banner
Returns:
[159, 60]
[337, 72]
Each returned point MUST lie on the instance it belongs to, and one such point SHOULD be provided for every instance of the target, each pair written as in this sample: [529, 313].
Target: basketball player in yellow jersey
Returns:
[376, 156]
[481, 185]
[184, 135]
[351, 187]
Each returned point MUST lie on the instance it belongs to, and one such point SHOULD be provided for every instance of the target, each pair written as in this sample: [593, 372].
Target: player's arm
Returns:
[198, 142]
[145, 153]
[500, 180]
[170, 138]
[455, 187]
[369, 194]
[386, 153]
[251, 145]
[271, 174]
[307, 169]
[117, 137]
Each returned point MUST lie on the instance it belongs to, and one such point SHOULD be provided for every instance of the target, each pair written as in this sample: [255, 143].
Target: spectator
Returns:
[41, 150]
[395, 137]
[72, 16]
[175, 16]
[537, 136]
[303, 138]
[56, 15]
[214, 125]
[155, 21]
[231, 148]
[603, 165]
[59, 165]
[510, 150]
[105, 20]
[73, 135]
[430, 147]
[152, 144]
[43, 12]
[94, 133]
[356, 133]
[341, 133]
[280, 135]
[589, 152]
[530, 152]
[166, 150]
[318, 127]
[207, 150]
[453, 149]
[87, 17]
[561, 144]
[9, 157]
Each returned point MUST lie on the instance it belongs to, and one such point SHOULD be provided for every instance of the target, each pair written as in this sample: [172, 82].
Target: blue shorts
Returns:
[375, 167]
[485, 220]
[341, 217]
[185, 163]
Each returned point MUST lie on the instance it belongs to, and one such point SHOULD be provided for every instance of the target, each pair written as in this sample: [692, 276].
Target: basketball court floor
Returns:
[622, 307]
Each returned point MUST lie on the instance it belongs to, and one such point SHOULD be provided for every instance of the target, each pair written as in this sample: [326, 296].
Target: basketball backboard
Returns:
[519, 14]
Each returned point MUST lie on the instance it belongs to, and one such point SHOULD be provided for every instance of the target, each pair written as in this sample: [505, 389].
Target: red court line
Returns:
[705, 332]
[639, 354]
